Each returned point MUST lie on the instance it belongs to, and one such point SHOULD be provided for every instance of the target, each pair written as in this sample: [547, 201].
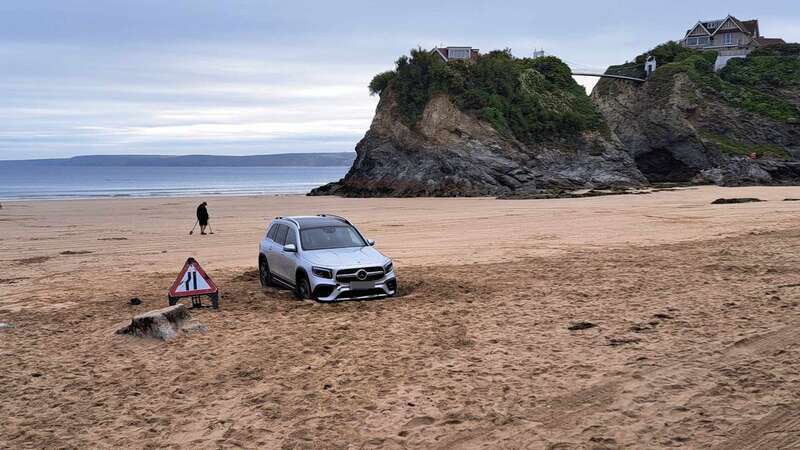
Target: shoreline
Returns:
[154, 197]
[99, 182]
[583, 193]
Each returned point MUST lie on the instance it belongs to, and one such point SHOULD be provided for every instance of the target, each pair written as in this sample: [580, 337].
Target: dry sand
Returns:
[697, 309]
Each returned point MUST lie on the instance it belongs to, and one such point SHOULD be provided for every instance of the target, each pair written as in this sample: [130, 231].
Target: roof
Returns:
[315, 221]
[713, 26]
[702, 28]
[444, 52]
[750, 25]
[769, 41]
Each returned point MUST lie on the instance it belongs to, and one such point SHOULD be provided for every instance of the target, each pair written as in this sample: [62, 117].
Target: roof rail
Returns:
[288, 219]
[335, 217]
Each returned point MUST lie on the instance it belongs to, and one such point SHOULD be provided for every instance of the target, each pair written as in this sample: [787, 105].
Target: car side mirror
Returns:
[290, 248]
[371, 242]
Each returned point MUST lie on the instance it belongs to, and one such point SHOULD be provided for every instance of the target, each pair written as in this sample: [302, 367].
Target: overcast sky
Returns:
[251, 77]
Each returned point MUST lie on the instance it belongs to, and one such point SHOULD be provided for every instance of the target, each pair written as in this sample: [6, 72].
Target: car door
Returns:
[266, 243]
[275, 253]
[289, 259]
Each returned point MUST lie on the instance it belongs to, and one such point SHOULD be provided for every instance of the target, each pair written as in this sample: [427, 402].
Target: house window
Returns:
[703, 41]
[458, 53]
[691, 42]
[728, 39]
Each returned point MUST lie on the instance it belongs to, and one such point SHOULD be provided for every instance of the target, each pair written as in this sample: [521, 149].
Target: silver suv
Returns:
[324, 258]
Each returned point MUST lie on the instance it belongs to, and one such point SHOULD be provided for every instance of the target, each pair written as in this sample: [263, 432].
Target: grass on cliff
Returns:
[752, 83]
[532, 100]
[733, 147]
[665, 54]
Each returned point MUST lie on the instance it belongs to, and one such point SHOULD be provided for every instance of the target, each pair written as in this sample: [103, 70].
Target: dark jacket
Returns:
[202, 214]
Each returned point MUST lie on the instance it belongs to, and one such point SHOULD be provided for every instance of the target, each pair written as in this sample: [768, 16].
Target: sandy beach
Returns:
[695, 342]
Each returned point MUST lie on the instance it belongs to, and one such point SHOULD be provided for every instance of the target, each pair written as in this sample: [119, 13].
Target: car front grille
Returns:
[372, 273]
[365, 293]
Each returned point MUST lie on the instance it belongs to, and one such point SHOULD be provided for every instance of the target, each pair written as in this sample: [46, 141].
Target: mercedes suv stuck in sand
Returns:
[324, 258]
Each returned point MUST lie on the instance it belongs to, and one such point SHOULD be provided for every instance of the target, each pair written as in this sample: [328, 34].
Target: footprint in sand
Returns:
[419, 422]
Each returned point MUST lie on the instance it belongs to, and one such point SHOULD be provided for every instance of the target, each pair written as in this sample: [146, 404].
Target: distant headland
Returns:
[276, 160]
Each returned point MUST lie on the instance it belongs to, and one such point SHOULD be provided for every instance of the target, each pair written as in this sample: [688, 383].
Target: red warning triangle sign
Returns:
[192, 280]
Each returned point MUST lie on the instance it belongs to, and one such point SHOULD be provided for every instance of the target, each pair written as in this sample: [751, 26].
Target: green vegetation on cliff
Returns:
[665, 54]
[731, 146]
[530, 99]
[752, 83]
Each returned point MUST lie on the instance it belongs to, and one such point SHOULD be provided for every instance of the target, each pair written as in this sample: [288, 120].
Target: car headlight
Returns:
[388, 267]
[322, 272]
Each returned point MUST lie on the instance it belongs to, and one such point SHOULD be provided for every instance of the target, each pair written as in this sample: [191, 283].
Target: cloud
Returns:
[195, 98]
[244, 77]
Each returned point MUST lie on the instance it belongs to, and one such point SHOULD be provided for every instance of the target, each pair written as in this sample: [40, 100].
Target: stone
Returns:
[4, 325]
[727, 201]
[581, 326]
[162, 324]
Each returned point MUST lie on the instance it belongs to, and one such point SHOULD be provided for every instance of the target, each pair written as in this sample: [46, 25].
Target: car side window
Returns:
[272, 231]
[280, 236]
[291, 237]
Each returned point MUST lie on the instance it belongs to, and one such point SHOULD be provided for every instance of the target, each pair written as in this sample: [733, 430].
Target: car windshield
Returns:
[324, 238]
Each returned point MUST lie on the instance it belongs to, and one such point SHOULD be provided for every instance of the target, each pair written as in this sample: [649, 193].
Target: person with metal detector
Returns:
[202, 219]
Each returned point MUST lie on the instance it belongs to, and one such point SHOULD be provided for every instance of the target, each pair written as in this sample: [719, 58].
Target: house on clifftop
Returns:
[730, 37]
[457, 53]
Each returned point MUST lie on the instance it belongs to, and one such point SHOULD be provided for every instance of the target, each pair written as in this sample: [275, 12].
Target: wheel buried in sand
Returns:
[264, 276]
[303, 289]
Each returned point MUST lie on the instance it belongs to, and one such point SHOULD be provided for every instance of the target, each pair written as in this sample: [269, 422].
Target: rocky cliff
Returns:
[436, 148]
[509, 127]
[450, 153]
[688, 124]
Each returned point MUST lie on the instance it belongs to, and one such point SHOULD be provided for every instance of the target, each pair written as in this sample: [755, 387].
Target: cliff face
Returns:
[679, 131]
[504, 126]
[451, 153]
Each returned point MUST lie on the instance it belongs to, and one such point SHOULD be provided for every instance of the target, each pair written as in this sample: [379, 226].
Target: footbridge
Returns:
[583, 70]
[604, 75]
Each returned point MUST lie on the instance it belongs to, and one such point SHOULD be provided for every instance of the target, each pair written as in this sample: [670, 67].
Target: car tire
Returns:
[264, 275]
[303, 288]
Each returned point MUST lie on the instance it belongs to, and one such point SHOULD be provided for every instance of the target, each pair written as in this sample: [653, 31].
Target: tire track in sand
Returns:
[778, 430]
[677, 393]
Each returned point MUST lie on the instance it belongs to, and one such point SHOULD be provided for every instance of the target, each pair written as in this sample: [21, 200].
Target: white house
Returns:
[457, 53]
[730, 37]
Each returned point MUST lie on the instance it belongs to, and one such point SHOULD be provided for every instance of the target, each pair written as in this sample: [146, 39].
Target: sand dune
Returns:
[695, 344]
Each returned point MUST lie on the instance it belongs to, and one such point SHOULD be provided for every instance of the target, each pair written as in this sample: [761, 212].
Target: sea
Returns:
[20, 182]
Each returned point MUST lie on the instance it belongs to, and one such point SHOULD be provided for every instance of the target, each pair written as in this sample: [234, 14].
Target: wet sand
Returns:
[695, 342]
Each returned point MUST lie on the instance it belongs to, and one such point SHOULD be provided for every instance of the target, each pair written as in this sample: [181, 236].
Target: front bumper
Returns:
[327, 290]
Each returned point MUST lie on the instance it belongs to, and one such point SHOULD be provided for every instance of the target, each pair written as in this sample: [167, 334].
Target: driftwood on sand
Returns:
[161, 324]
